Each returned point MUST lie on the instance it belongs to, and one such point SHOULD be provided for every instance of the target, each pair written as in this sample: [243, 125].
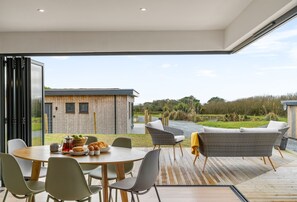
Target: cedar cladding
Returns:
[81, 123]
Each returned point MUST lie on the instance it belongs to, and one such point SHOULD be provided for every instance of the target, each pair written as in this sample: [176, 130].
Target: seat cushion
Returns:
[156, 124]
[219, 130]
[277, 124]
[259, 130]
[179, 138]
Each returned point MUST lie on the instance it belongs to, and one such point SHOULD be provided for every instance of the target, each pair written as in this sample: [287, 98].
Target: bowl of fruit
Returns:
[78, 140]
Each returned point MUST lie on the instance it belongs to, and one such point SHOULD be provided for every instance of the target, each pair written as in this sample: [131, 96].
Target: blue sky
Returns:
[266, 67]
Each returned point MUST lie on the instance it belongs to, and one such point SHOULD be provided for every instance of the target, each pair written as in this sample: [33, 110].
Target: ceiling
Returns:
[120, 26]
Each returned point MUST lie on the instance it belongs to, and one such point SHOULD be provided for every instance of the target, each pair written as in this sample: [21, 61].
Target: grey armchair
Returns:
[164, 135]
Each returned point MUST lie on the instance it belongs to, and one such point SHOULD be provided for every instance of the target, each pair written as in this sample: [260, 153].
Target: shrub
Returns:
[271, 116]
[180, 115]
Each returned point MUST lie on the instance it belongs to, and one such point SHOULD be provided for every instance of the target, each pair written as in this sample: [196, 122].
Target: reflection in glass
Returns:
[37, 103]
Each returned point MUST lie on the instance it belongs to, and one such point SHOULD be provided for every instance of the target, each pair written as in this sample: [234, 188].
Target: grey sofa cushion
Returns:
[219, 130]
[258, 130]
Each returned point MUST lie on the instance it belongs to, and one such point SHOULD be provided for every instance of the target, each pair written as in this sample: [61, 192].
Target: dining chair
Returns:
[145, 180]
[25, 165]
[111, 169]
[65, 181]
[14, 180]
[87, 168]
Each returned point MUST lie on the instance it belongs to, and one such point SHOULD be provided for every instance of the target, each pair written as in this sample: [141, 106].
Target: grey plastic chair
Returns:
[65, 181]
[14, 180]
[145, 180]
[25, 165]
[111, 169]
[87, 168]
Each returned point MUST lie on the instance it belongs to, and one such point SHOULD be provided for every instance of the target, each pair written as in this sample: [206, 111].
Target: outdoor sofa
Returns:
[253, 142]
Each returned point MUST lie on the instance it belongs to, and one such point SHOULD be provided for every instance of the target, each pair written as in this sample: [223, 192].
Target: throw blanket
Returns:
[195, 143]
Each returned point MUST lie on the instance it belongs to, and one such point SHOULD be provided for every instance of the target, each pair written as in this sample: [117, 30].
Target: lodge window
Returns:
[70, 108]
[84, 108]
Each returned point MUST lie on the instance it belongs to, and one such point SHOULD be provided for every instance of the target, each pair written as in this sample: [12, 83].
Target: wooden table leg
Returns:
[104, 182]
[36, 166]
[121, 175]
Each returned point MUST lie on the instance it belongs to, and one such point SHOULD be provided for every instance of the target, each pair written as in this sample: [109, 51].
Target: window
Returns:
[70, 108]
[84, 108]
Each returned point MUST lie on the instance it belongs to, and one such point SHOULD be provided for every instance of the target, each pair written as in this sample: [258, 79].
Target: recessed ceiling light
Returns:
[143, 9]
[40, 10]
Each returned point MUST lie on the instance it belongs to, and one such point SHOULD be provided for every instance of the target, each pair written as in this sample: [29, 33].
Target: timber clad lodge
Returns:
[89, 111]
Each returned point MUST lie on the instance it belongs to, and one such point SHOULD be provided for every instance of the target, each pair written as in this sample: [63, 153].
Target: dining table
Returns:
[117, 156]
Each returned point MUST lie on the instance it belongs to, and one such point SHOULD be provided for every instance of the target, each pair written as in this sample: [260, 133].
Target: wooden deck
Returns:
[255, 180]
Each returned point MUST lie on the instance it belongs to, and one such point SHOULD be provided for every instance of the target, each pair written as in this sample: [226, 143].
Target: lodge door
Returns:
[48, 110]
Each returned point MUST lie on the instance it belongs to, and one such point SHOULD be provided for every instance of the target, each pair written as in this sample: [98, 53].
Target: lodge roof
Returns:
[90, 91]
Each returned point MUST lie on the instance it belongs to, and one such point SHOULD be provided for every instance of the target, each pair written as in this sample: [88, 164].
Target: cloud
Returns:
[61, 57]
[167, 65]
[265, 70]
[206, 73]
[286, 67]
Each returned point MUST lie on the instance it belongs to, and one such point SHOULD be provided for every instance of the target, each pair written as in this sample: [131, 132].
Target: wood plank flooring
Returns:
[255, 180]
[219, 171]
[172, 194]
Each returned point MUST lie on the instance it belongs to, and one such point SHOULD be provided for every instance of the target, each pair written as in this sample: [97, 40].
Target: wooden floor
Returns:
[219, 171]
[255, 180]
[168, 194]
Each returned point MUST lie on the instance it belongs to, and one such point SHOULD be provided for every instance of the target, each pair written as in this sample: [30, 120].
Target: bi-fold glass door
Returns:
[22, 101]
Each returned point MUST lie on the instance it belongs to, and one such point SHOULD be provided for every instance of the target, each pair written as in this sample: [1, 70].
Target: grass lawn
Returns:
[138, 140]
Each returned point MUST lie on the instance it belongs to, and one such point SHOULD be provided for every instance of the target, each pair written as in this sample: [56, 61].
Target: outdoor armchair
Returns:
[164, 135]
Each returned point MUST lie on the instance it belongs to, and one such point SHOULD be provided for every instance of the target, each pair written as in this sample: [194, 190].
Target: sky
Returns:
[266, 67]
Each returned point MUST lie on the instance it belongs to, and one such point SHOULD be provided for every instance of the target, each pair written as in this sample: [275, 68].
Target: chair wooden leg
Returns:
[181, 149]
[280, 152]
[174, 152]
[264, 160]
[271, 163]
[195, 159]
[204, 163]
